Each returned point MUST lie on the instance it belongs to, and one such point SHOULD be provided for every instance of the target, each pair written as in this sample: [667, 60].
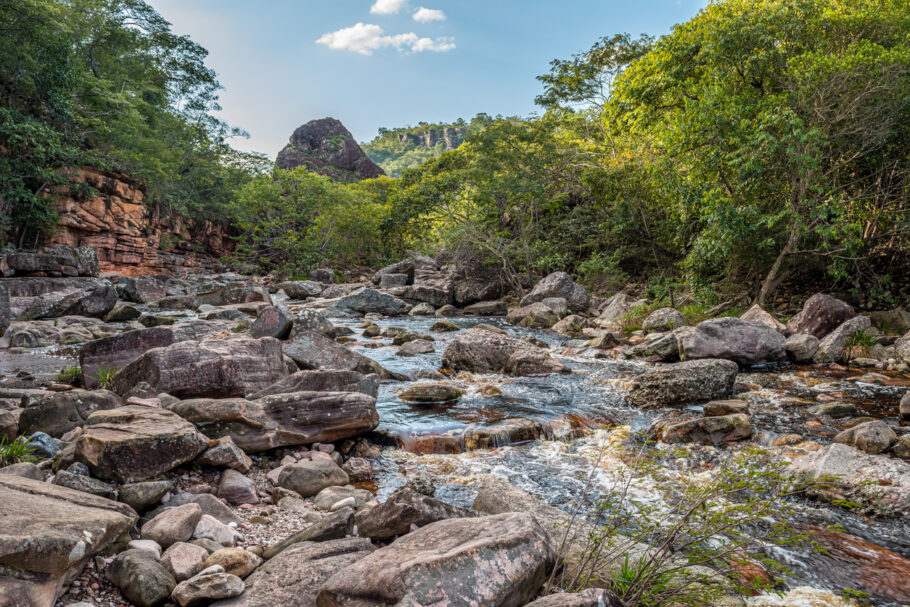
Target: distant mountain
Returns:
[404, 148]
[325, 146]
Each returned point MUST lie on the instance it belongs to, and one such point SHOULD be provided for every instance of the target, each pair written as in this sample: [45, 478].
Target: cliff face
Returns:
[129, 238]
[452, 137]
[325, 146]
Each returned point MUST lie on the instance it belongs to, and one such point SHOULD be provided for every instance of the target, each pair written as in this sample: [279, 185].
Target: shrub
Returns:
[15, 451]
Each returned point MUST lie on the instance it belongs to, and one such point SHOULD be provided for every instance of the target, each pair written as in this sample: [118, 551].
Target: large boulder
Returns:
[51, 261]
[873, 437]
[618, 306]
[663, 319]
[436, 296]
[294, 576]
[685, 383]
[405, 267]
[205, 588]
[326, 147]
[558, 284]
[136, 443]
[308, 320]
[173, 525]
[284, 419]
[214, 368]
[54, 297]
[878, 483]
[273, 321]
[313, 351]
[733, 339]
[834, 347]
[404, 510]
[309, 477]
[481, 351]
[323, 381]
[61, 412]
[367, 301]
[302, 289]
[801, 347]
[47, 533]
[141, 289]
[820, 315]
[498, 560]
[757, 314]
[115, 352]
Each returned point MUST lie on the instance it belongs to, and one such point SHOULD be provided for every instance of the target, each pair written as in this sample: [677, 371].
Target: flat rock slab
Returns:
[136, 443]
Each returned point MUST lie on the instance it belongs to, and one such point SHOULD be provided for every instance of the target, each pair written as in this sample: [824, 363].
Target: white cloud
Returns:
[387, 7]
[364, 38]
[424, 15]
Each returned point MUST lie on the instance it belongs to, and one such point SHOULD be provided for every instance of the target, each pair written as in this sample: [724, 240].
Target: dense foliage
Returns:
[106, 83]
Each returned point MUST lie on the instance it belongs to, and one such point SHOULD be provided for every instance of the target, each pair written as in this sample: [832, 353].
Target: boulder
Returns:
[901, 448]
[358, 469]
[272, 321]
[366, 301]
[405, 268]
[663, 319]
[902, 348]
[618, 306]
[309, 477]
[801, 347]
[61, 412]
[533, 316]
[141, 579]
[210, 528]
[173, 525]
[685, 383]
[481, 351]
[422, 309]
[233, 560]
[136, 443]
[214, 368]
[496, 307]
[140, 289]
[430, 393]
[491, 560]
[878, 483]
[725, 407]
[404, 510]
[302, 289]
[48, 532]
[32, 298]
[144, 495]
[732, 339]
[32, 471]
[205, 588]
[51, 261]
[122, 312]
[323, 381]
[235, 488]
[757, 314]
[294, 577]
[281, 420]
[872, 437]
[226, 454]
[115, 352]
[239, 293]
[820, 315]
[211, 506]
[393, 280]
[415, 347]
[183, 560]
[312, 321]
[715, 430]
[558, 284]
[891, 322]
[326, 147]
[311, 350]
[834, 347]
[657, 347]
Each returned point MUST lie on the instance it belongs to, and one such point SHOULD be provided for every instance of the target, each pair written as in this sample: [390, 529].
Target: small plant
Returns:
[105, 378]
[16, 451]
[70, 375]
[861, 343]
[239, 327]
[857, 597]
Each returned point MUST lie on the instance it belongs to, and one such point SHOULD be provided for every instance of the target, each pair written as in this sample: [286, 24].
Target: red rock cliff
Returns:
[128, 237]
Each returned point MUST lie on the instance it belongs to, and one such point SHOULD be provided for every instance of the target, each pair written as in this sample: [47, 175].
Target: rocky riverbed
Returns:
[235, 441]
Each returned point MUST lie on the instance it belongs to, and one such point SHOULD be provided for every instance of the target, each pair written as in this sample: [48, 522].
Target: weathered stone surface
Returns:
[29, 470]
[54, 297]
[558, 284]
[323, 381]
[833, 409]
[313, 321]
[87, 484]
[902, 348]
[141, 289]
[294, 577]
[136, 443]
[820, 315]
[801, 347]
[657, 347]
[326, 147]
[715, 430]
[405, 267]
[430, 392]
[309, 477]
[211, 528]
[141, 579]
[487, 308]
[295, 418]
[684, 383]
[663, 319]
[757, 314]
[533, 316]
[487, 352]
[226, 454]
[214, 368]
[732, 339]
[618, 306]
[879, 483]
[904, 407]
[50, 261]
[236, 488]
[115, 352]
[234, 561]
[402, 511]
[872, 437]
[238, 293]
[330, 496]
[272, 321]
[367, 301]
[203, 589]
[6, 316]
[592, 597]
[173, 525]
[492, 560]
[122, 312]
[184, 560]
[314, 351]
[833, 348]
[142, 496]
[60, 412]
[415, 347]
[335, 526]
[301, 289]
[725, 407]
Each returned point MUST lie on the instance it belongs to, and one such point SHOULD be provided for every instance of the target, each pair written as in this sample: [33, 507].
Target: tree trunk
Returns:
[775, 275]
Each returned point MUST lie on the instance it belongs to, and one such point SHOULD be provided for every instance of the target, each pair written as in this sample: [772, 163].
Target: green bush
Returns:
[15, 452]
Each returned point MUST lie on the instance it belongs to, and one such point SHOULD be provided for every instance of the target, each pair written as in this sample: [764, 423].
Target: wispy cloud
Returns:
[365, 38]
[424, 15]
[387, 7]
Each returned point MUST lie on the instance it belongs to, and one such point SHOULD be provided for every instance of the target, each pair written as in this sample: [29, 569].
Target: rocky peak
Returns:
[325, 146]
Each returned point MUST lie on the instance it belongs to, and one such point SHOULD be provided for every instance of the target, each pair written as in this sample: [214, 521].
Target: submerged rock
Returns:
[714, 430]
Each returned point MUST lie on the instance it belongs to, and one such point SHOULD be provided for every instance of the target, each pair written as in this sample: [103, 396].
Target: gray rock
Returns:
[337, 525]
[322, 275]
[236, 488]
[142, 496]
[32, 298]
[481, 351]
[533, 316]
[835, 409]
[173, 525]
[558, 284]
[184, 560]
[872, 437]
[405, 268]
[496, 307]
[618, 306]
[24, 470]
[309, 477]
[302, 289]
[415, 347]
[904, 407]
[61, 412]
[820, 315]
[366, 301]
[226, 454]
[43, 445]
[592, 597]
[203, 589]
[6, 316]
[731, 339]
[140, 578]
[315, 351]
[663, 319]
[87, 484]
[401, 512]
[725, 407]
[833, 348]
[684, 383]
[430, 392]
[122, 312]
[801, 347]
[323, 381]
[328, 497]
[233, 561]
[663, 347]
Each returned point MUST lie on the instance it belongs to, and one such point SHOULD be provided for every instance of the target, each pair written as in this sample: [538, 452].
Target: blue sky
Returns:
[285, 62]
